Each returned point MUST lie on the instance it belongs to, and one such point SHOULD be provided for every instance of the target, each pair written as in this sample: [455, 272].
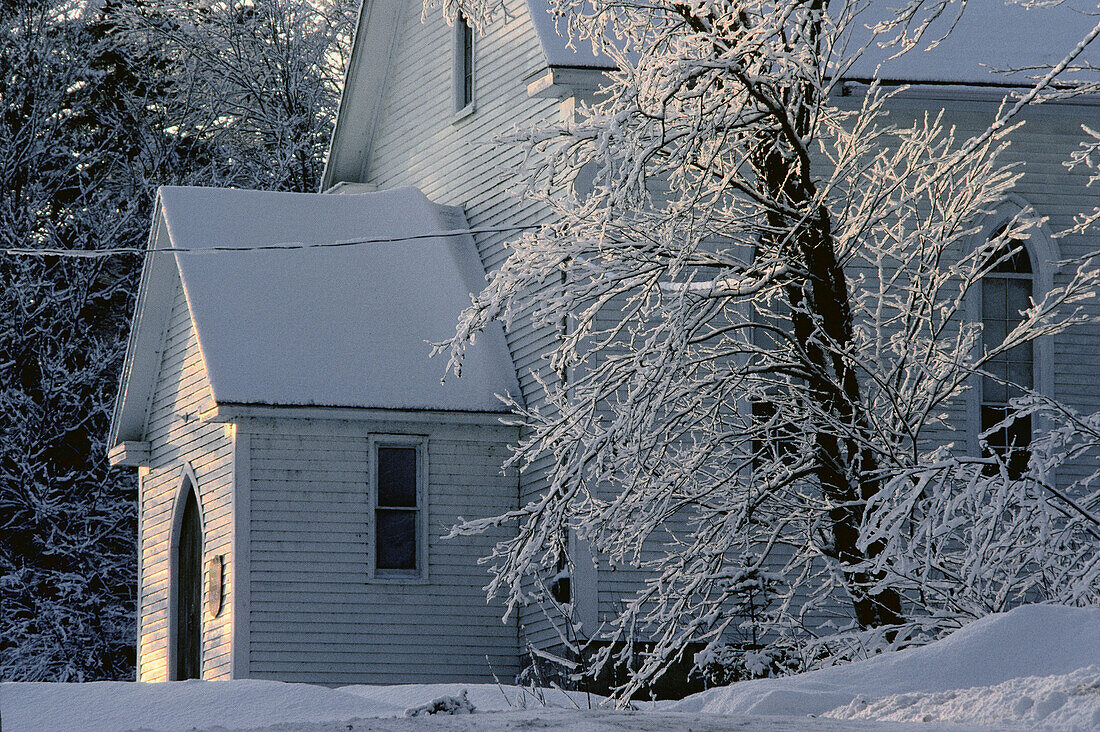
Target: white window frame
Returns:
[1043, 251]
[399, 576]
[463, 107]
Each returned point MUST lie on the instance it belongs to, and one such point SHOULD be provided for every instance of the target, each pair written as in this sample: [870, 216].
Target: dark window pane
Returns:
[1019, 439]
[1020, 374]
[994, 332]
[993, 298]
[1017, 261]
[466, 61]
[993, 388]
[395, 539]
[993, 391]
[774, 439]
[397, 476]
[1018, 298]
[1010, 443]
[1023, 353]
[560, 590]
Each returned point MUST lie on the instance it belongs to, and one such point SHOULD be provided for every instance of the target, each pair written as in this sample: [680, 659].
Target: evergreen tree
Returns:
[100, 104]
[71, 139]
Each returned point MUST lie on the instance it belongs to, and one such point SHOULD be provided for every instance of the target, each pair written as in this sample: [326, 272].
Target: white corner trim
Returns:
[240, 643]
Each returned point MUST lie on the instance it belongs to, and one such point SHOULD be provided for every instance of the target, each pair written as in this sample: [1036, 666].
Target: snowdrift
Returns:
[1033, 640]
[1036, 665]
[205, 705]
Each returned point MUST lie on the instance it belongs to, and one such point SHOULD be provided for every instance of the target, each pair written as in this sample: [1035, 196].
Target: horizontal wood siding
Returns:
[419, 142]
[314, 613]
[455, 162]
[177, 438]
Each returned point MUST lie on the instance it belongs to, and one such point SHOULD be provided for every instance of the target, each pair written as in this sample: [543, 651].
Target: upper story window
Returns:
[1006, 292]
[463, 66]
[398, 498]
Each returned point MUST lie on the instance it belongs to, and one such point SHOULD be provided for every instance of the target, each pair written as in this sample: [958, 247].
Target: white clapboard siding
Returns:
[177, 438]
[314, 615]
[455, 161]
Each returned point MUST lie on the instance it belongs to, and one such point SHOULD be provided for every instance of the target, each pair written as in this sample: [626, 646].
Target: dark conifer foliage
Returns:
[97, 110]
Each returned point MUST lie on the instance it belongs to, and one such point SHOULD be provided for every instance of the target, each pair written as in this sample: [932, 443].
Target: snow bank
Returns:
[177, 705]
[1034, 640]
[1065, 701]
[484, 697]
[1032, 666]
[201, 705]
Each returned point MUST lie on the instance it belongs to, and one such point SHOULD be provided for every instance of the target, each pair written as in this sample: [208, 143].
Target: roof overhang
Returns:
[147, 330]
[372, 53]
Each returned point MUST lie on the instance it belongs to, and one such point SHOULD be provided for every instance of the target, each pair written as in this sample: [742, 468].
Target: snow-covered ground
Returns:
[1034, 667]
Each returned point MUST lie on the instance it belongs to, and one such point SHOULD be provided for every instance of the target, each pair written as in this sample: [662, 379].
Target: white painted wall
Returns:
[453, 160]
[314, 614]
[177, 439]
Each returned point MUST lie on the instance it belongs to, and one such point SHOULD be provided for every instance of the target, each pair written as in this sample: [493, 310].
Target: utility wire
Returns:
[97, 253]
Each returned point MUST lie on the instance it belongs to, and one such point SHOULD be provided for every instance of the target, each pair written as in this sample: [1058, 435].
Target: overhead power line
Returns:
[97, 253]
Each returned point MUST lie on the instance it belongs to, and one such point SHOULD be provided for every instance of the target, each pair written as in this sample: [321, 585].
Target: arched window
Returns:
[185, 599]
[1007, 290]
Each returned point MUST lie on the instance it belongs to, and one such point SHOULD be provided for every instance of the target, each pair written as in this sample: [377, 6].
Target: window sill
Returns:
[463, 113]
[398, 579]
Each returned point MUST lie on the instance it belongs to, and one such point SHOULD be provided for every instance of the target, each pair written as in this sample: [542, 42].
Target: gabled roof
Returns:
[323, 326]
[372, 54]
[990, 35]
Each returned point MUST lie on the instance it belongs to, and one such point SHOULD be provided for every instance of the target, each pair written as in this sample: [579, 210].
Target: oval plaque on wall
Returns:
[214, 583]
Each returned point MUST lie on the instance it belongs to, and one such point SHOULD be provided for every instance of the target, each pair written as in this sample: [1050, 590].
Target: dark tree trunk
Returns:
[821, 312]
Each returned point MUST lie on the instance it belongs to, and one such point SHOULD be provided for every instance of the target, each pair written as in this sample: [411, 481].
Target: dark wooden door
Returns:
[189, 594]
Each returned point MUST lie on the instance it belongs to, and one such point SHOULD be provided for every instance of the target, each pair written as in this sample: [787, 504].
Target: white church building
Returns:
[299, 458]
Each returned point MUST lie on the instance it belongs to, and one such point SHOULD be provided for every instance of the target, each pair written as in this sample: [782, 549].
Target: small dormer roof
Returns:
[345, 326]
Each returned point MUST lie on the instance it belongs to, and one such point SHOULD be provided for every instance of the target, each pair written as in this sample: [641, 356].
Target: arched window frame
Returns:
[1043, 253]
[185, 483]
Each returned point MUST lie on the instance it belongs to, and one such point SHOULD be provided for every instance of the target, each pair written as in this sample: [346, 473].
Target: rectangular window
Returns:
[398, 476]
[1006, 292]
[463, 70]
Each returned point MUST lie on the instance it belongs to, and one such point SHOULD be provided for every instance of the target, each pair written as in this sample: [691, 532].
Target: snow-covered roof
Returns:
[989, 35]
[328, 326]
[553, 37]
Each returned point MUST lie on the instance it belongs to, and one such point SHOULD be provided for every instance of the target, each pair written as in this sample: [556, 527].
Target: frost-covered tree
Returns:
[255, 81]
[100, 105]
[71, 138]
[765, 300]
